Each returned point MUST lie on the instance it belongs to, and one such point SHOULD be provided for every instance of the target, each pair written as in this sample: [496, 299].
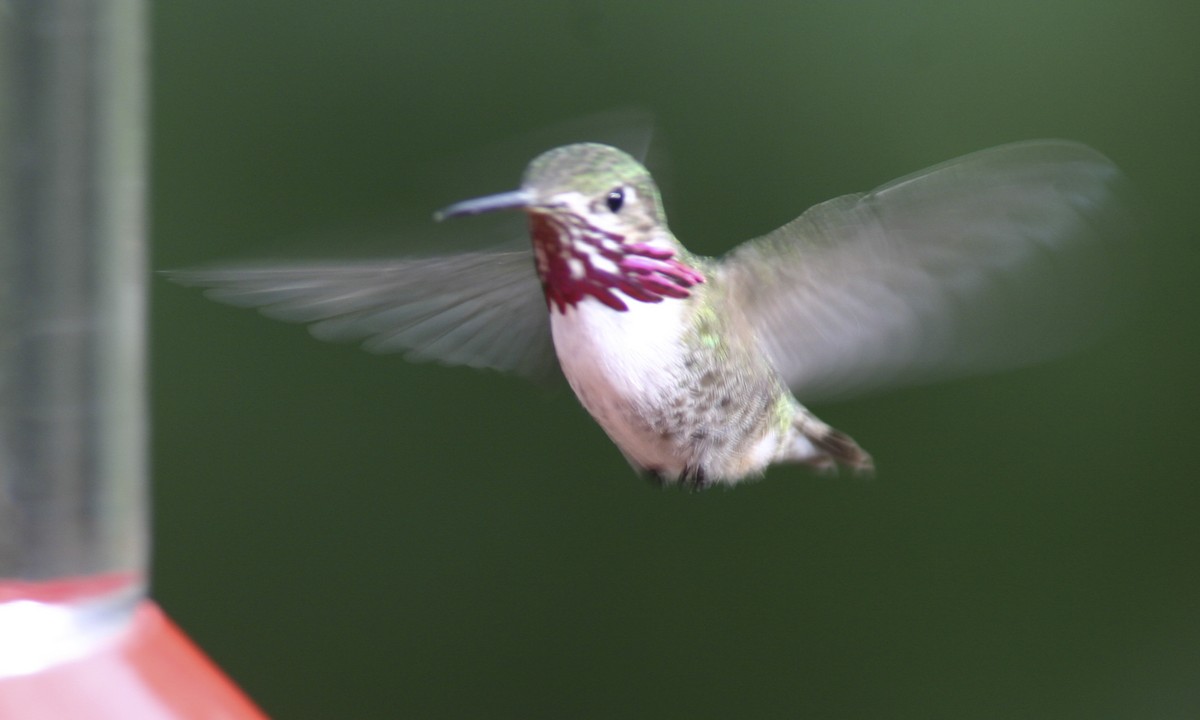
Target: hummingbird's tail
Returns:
[817, 444]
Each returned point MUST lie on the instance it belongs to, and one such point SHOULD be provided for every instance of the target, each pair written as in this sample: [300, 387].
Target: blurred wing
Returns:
[482, 309]
[993, 260]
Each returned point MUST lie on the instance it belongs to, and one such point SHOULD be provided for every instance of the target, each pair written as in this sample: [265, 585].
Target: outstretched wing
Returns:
[992, 260]
[482, 309]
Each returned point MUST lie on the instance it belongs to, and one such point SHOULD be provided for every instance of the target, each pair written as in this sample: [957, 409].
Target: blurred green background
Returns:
[354, 536]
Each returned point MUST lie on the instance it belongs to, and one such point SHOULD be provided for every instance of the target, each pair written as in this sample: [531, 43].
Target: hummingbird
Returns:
[696, 366]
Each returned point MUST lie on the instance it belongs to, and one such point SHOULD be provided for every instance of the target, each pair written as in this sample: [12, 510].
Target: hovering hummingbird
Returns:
[693, 365]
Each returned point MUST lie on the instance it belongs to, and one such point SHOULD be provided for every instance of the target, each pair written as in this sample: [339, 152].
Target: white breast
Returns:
[619, 363]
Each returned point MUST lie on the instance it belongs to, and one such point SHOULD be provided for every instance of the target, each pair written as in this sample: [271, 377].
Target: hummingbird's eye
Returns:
[615, 200]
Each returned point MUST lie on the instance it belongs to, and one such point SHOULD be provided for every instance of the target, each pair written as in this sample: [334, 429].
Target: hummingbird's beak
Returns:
[503, 201]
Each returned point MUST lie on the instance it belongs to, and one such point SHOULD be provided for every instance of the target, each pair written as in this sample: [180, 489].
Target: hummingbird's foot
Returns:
[693, 478]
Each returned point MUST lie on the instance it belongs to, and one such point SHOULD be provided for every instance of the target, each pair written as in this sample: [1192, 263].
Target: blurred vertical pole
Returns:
[72, 379]
[78, 639]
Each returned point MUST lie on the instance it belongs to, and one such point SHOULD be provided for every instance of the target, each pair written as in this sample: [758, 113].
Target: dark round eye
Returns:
[615, 200]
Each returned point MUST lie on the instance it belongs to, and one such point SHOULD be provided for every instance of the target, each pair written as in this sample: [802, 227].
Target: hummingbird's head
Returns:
[598, 181]
[598, 228]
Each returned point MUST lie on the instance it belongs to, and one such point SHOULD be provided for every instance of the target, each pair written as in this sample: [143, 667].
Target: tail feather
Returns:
[816, 443]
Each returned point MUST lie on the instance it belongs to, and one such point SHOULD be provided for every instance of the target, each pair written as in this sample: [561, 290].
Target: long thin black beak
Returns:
[503, 201]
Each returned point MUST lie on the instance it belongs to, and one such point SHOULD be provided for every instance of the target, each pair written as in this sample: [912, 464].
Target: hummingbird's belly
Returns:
[625, 367]
[671, 407]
